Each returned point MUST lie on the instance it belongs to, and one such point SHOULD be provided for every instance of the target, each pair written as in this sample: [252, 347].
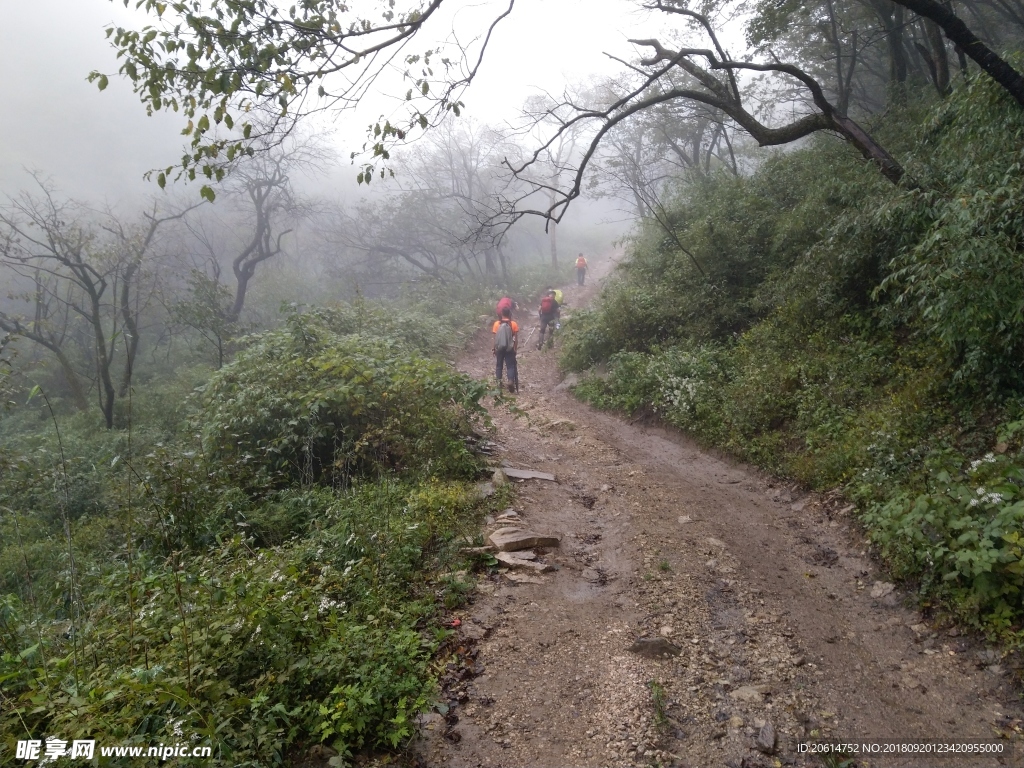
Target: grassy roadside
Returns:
[264, 564]
[846, 333]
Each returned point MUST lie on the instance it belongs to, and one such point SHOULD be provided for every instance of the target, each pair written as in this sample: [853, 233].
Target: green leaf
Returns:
[207, 193]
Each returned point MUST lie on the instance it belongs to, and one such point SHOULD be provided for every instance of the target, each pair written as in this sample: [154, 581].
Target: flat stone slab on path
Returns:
[514, 539]
[527, 474]
[527, 565]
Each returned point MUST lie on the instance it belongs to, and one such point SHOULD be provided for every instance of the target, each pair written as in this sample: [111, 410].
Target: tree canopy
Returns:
[220, 63]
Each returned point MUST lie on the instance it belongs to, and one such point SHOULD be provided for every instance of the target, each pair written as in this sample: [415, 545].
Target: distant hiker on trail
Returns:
[506, 339]
[549, 314]
[581, 269]
[505, 303]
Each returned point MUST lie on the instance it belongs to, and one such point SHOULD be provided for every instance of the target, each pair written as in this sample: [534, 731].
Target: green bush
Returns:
[962, 540]
[305, 405]
[953, 245]
[319, 639]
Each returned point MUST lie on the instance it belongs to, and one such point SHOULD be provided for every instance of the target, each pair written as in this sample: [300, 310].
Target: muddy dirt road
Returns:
[780, 629]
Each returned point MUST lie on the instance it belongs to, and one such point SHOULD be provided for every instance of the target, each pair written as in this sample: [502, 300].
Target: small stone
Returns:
[739, 674]
[765, 741]
[666, 631]
[499, 478]
[473, 632]
[799, 506]
[747, 693]
[881, 589]
[684, 519]
[988, 656]
[569, 381]
[429, 720]
[716, 542]
[607, 488]
[654, 647]
[524, 578]
[735, 721]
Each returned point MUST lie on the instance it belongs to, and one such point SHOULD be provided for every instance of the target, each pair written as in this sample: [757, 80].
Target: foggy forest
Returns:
[508, 383]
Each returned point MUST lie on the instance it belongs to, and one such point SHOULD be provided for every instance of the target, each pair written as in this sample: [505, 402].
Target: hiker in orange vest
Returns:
[506, 340]
[581, 269]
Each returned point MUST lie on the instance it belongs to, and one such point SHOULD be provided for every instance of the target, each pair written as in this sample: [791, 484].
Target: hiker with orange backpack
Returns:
[549, 314]
[581, 269]
[506, 340]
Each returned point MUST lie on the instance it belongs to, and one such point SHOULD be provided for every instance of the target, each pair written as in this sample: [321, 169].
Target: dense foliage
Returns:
[260, 566]
[849, 334]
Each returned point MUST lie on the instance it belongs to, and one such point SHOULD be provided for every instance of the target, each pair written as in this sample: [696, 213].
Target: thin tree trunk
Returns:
[890, 16]
[503, 262]
[993, 65]
[131, 328]
[553, 240]
[106, 391]
[553, 225]
[938, 46]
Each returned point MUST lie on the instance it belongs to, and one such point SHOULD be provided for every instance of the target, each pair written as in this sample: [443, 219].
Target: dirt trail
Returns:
[783, 624]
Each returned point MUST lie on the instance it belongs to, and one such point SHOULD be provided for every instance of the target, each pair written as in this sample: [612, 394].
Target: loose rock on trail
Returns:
[681, 609]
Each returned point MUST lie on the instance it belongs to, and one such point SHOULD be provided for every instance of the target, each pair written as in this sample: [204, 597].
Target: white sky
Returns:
[96, 146]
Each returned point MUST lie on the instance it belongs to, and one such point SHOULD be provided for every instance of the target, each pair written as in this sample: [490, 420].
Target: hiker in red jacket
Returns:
[549, 314]
[504, 303]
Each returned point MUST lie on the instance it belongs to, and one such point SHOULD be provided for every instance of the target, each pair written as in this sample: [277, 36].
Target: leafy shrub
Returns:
[305, 405]
[955, 266]
[322, 638]
[962, 539]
